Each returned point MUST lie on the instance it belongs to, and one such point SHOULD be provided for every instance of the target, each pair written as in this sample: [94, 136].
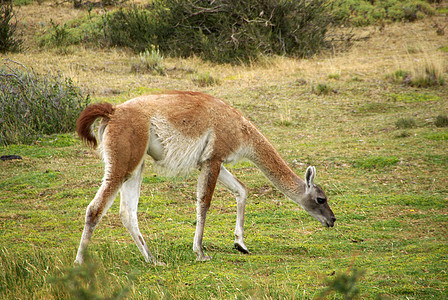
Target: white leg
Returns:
[130, 194]
[206, 186]
[240, 192]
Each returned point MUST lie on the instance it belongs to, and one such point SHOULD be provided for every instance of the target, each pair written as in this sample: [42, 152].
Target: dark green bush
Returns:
[10, 39]
[32, 105]
[136, 28]
[225, 30]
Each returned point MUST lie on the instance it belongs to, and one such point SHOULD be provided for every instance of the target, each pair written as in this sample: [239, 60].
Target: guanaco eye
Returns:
[321, 200]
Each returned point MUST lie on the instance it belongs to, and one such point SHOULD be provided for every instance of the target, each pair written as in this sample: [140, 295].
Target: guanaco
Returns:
[182, 131]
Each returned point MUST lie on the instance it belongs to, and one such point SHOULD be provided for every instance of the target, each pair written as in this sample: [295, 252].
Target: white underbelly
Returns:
[176, 154]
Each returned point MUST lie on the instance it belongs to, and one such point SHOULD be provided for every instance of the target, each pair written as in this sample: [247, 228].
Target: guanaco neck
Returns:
[275, 168]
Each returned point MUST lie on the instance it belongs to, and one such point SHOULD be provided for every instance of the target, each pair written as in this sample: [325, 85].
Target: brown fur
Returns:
[88, 116]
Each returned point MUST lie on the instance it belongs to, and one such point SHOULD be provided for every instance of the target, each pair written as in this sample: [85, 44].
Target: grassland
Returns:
[387, 184]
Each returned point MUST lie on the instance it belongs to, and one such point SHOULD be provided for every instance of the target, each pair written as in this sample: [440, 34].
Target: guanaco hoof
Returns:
[241, 249]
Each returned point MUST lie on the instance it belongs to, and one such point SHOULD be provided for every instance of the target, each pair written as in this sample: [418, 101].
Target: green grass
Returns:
[376, 162]
[412, 97]
[391, 210]
[438, 136]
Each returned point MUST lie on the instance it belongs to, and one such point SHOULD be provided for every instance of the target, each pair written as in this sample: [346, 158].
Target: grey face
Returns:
[316, 204]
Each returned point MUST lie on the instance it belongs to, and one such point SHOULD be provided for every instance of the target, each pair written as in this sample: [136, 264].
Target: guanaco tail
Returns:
[182, 131]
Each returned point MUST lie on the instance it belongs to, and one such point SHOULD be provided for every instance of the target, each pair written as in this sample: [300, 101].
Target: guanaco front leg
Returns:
[208, 177]
[240, 192]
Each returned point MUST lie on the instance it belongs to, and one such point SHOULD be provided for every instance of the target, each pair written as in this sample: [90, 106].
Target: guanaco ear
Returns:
[310, 174]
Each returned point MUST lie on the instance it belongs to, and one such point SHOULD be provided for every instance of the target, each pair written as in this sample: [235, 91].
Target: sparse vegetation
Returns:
[437, 136]
[334, 76]
[34, 105]
[430, 74]
[285, 117]
[413, 97]
[400, 76]
[86, 281]
[402, 134]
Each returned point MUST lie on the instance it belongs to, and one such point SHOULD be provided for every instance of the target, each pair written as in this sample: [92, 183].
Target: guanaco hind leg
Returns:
[130, 194]
[95, 212]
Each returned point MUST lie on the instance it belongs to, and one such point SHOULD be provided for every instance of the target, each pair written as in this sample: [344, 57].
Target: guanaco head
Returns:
[315, 202]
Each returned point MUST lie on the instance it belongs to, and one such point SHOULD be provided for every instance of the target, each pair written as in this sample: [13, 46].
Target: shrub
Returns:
[430, 74]
[441, 121]
[61, 36]
[323, 89]
[225, 30]
[400, 76]
[149, 61]
[33, 105]
[135, 28]
[404, 123]
[205, 79]
[10, 39]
